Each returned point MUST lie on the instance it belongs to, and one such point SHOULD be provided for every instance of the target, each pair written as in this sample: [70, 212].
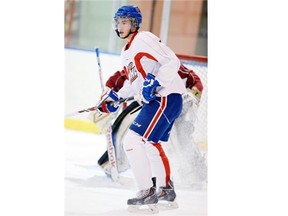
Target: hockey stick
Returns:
[94, 108]
[99, 68]
[109, 138]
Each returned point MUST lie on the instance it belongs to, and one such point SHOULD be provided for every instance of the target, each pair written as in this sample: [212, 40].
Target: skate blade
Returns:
[166, 205]
[143, 209]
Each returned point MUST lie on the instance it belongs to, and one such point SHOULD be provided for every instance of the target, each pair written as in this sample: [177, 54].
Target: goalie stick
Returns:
[109, 137]
[99, 68]
[94, 108]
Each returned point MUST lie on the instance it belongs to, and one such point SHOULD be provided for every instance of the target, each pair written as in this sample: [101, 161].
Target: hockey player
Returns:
[151, 68]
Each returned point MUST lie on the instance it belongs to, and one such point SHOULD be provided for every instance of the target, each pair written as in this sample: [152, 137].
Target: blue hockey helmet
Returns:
[132, 12]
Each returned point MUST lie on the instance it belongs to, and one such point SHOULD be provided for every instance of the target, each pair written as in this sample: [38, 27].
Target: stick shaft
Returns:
[99, 68]
[96, 107]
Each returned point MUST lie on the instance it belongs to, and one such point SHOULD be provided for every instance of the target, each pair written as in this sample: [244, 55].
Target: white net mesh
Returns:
[199, 65]
[187, 148]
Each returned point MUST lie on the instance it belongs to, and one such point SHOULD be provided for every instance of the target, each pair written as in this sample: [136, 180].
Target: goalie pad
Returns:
[124, 120]
[102, 120]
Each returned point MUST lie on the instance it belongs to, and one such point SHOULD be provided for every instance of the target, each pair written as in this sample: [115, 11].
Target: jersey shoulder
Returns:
[147, 36]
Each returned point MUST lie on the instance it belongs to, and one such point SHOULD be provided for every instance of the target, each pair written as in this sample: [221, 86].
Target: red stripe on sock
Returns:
[165, 162]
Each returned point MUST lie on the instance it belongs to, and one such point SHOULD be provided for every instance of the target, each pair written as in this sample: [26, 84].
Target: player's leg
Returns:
[158, 159]
[151, 124]
[135, 151]
[140, 165]
[161, 170]
[160, 163]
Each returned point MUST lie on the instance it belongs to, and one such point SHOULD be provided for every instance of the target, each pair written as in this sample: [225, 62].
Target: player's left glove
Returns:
[149, 87]
[107, 104]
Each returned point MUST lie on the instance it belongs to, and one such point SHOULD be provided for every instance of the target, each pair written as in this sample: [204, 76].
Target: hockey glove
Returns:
[107, 104]
[149, 87]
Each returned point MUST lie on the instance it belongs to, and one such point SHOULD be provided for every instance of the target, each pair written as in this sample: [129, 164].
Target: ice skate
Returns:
[144, 203]
[167, 197]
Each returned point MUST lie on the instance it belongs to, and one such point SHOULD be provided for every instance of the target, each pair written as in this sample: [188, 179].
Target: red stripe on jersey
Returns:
[137, 60]
[156, 117]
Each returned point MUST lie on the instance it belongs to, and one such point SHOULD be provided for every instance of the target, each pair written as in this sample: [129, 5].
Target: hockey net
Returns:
[187, 147]
[199, 65]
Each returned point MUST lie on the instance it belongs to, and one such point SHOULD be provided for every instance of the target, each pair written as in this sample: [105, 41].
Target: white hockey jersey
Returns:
[146, 54]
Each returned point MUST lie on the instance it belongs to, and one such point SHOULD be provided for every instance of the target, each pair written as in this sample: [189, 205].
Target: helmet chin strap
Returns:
[127, 34]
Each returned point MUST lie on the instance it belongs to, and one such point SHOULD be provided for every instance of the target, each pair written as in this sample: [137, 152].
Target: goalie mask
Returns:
[130, 12]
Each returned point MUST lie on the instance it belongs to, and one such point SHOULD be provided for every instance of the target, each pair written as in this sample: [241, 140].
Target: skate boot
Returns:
[144, 198]
[167, 196]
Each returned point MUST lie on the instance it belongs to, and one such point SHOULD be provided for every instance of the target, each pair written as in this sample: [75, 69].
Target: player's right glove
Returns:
[107, 104]
[149, 87]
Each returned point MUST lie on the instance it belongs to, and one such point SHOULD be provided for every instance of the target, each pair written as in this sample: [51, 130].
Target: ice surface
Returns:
[89, 192]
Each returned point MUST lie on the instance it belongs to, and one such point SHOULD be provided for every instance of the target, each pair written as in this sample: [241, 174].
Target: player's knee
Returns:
[131, 140]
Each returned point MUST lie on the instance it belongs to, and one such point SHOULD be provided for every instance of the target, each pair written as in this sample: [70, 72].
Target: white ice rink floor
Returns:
[89, 192]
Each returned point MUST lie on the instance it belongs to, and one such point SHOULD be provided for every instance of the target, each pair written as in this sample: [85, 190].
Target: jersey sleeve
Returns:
[116, 81]
[193, 80]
